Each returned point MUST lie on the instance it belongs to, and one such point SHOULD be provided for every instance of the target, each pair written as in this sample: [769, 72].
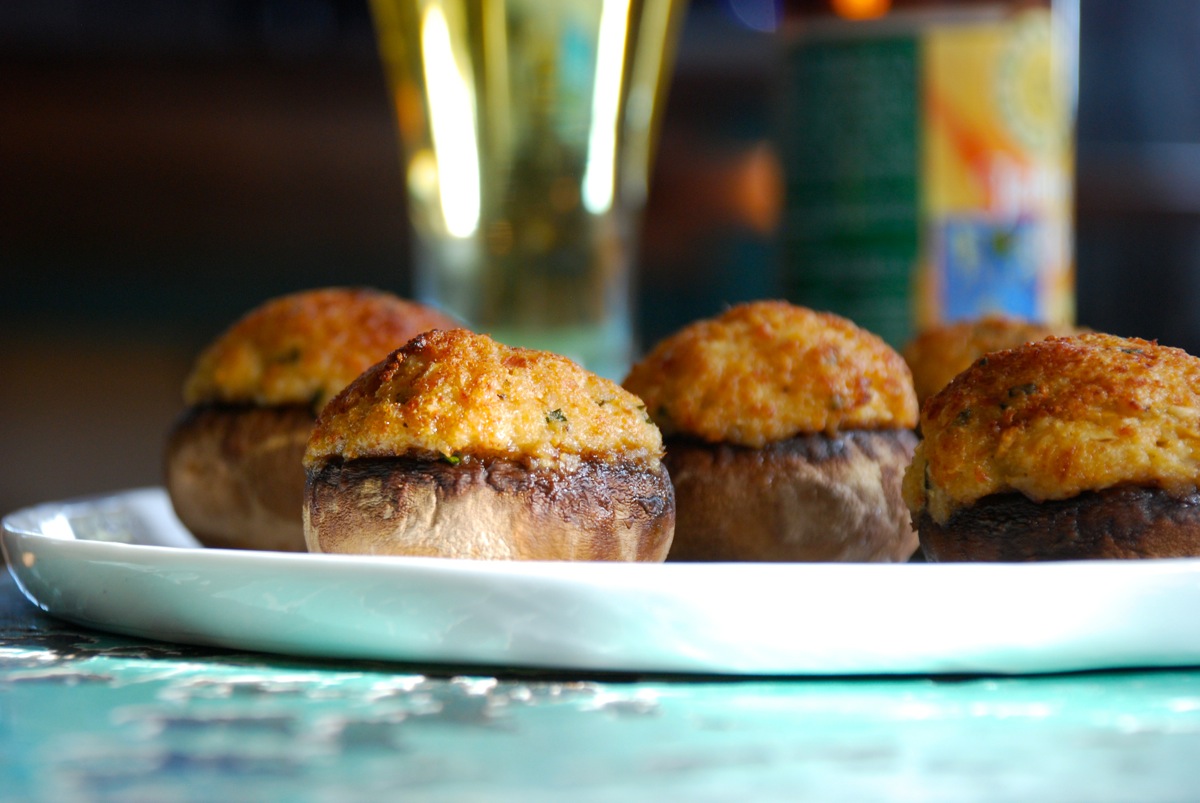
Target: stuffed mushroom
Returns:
[1066, 448]
[233, 458]
[787, 432]
[457, 446]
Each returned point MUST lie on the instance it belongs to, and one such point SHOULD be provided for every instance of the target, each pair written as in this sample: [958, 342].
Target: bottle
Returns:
[928, 152]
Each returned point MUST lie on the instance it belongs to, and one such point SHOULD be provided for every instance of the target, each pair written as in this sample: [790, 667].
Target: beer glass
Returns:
[527, 129]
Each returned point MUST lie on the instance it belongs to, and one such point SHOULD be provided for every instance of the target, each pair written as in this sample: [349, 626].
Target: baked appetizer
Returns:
[939, 353]
[787, 432]
[233, 458]
[457, 446]
[1077, 447]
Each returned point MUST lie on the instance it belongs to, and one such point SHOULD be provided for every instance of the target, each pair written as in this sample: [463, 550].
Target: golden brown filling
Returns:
[454, 393]
[305, 347]
[939, 354]
[769, 370]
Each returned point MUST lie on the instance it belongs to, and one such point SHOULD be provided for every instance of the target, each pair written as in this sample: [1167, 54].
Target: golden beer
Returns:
[527, 129]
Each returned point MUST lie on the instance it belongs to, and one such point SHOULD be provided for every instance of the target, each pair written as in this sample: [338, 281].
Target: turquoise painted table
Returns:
[87, 716]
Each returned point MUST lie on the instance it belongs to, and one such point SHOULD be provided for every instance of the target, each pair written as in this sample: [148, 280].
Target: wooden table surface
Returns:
[88, 716]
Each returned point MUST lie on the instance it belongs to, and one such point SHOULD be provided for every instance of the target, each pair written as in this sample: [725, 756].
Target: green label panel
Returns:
[851, 153]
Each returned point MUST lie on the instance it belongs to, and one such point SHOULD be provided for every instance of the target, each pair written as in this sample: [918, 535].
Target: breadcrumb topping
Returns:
[456, 395]
[940, 353]
[1057, 417]
[766, 371]
[305, 347]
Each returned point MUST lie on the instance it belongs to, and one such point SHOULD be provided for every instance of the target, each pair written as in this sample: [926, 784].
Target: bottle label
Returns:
[929, 169]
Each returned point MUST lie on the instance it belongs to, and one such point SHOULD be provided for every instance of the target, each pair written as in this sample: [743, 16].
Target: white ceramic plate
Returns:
[123, 563]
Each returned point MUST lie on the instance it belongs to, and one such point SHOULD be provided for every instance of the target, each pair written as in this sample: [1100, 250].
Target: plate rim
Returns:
[662, 585]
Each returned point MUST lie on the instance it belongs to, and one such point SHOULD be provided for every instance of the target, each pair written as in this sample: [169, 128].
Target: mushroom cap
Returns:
[809, 498]
[1126, 521]
[234, 475]
[490, 510]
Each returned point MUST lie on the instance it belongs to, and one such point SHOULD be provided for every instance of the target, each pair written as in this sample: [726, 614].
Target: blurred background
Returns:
[165, 165]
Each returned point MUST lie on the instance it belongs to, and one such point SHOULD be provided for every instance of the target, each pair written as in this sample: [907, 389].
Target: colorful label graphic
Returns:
[929, 171]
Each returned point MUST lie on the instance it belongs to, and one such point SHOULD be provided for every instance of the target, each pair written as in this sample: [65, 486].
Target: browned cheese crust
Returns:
[1057, 417]
[453, 393]
[768, 370]
[233, 460]
[459, 446]
[809, 498]
[938, 354]
[305, 347]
